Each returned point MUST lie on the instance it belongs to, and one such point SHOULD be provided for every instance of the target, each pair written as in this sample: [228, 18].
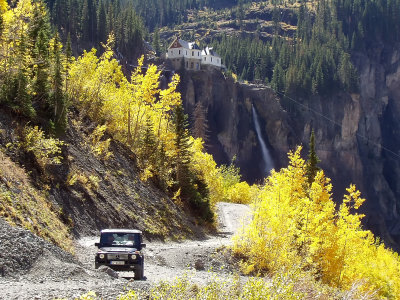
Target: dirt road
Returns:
[52, 277]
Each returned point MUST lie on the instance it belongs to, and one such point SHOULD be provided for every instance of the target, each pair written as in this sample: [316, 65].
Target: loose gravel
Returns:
[35, 269]
[20, 249]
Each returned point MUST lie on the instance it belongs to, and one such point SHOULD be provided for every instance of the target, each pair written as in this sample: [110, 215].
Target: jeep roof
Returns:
[120, 231]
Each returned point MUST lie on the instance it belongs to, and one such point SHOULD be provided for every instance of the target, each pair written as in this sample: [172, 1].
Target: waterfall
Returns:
[268, 163]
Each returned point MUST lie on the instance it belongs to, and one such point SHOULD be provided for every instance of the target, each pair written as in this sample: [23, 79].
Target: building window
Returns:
[198, 53]
[179, 51]
[172, 52]
[197, 66]
[192, 53]
[211, 58]
[205, 58]
[191, 65]
[187, 64]
[186, 52]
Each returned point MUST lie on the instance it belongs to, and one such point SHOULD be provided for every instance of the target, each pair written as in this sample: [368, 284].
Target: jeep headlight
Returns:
[102, 256]
[133, 256]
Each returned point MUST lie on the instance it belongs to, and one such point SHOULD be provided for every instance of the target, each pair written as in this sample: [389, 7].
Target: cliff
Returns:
[356, 134]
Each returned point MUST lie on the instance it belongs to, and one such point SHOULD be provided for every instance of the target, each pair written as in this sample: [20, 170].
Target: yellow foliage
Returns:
[3, 6]
[99, 147]
[15, 25]
[295, 224]
[235, 77]
[240, 193]
[46, 150]
[90, 182]
[220, 187]
[100, 89]
[205, 165]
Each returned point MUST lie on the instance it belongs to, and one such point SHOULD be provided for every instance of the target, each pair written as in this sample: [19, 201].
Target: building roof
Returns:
[209, 51]
[185, 44]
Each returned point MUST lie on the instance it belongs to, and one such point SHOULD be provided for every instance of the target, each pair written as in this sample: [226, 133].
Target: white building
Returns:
[184, 54]
[210, 57]
[188, 55]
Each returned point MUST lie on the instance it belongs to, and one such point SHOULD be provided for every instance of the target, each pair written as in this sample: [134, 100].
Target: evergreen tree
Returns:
[156, 41]
[58, 101]
[182, 145]
[41, 68]
[101, 23]
[312, 161]
[39, 37]
[193, 189]
[21, 101]
[88, 21]
[68, 58]
[148, 144]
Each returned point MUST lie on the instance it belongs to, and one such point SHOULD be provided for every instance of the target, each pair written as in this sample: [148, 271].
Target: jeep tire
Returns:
[139, 271]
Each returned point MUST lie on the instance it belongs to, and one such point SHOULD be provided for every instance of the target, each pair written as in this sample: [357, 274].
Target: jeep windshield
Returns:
[109, 239]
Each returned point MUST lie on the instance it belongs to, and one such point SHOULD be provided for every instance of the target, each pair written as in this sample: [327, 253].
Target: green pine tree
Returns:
[313, 160]
[193, 190]
[58, 102]
[156, 41]
[148, 144]
[41, 69]
[182, 144]
[101, 23]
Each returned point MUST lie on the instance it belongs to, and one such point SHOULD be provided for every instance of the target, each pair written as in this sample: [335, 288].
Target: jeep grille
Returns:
[116, 256]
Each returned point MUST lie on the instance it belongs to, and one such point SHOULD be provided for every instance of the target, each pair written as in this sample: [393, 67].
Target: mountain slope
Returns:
[85, 191]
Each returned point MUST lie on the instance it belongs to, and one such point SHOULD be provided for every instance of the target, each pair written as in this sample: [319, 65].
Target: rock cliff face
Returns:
[357, 135]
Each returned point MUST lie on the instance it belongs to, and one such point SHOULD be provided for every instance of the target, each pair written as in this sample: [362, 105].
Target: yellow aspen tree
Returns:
[295, 224]
[204, 165]
[3, 6]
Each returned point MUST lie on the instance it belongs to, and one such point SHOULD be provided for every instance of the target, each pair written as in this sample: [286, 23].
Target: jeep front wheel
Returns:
[139, 271]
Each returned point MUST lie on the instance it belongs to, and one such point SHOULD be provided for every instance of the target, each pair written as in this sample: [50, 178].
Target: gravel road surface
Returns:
[38, 270]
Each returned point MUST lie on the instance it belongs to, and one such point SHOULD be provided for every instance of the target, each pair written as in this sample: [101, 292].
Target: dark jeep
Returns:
[120, 249]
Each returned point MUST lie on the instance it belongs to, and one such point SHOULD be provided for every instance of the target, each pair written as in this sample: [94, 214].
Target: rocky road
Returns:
[53, 276]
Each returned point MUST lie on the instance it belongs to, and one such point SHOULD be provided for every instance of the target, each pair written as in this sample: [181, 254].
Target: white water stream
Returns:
[267, 159]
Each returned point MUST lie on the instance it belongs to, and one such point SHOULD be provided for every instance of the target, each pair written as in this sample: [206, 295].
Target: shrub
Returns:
[46, 150]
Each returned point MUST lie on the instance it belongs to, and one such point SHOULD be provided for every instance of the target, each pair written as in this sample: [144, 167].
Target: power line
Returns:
[338, 124]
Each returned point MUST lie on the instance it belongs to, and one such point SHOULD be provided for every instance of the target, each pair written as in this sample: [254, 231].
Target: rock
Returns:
[199, 265]
[108, 271]
[24, 250]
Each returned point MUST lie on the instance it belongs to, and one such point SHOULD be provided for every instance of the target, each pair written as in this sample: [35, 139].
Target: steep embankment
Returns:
[356, 134]
[86, 192]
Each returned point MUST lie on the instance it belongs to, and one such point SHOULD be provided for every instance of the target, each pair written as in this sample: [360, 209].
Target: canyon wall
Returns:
[357, 135]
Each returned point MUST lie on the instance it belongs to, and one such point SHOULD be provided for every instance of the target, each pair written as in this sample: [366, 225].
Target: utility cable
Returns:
[337, 124]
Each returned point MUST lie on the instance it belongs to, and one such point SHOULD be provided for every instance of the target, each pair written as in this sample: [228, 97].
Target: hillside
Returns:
[85, 192]
[256, 21]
